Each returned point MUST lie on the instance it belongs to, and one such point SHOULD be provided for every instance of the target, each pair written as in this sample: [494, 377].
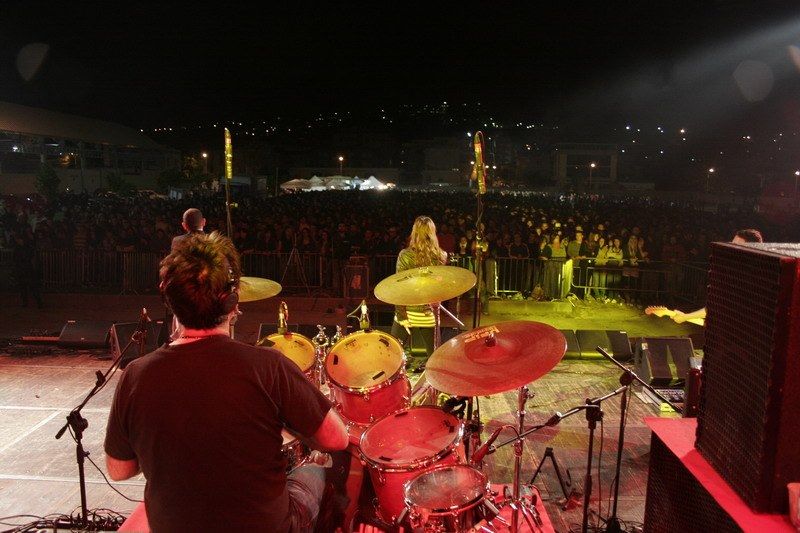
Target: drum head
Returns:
[296, 347]
[410, 437]
[446, 488]
[364, 360]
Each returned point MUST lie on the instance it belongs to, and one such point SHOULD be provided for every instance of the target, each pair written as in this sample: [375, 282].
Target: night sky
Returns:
[151, 65]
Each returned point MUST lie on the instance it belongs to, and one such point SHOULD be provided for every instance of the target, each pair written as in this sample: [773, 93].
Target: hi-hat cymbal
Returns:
[425, 285]
[252, 289]
[497, 358]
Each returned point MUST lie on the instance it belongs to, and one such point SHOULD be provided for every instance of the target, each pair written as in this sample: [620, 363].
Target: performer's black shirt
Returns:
[204, 421]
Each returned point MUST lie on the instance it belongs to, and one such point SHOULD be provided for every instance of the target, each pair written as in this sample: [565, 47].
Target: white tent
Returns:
[372, 183]
[296, 185]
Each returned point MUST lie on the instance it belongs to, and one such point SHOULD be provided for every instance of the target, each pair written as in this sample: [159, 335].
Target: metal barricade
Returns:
[139, 271]
[646, 282]
[689, 282]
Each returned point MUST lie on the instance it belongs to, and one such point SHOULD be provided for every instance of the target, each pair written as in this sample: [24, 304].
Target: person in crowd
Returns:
[192, 222]
[423, 250]
[615, 258]
[599, 275]
[554, 256]
[26, 266]
[212, 457]
[577, 250]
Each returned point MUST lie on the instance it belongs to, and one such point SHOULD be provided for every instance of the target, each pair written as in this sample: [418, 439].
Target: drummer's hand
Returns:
[318, 458]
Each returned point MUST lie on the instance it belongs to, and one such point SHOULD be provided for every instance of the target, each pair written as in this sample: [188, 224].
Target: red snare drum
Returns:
[293, 450]
[399, 447]
[366, 375]
[297, 348]
[449, 498]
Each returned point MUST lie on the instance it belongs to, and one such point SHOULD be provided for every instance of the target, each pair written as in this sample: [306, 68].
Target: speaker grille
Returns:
[743, 429]
[676, 501]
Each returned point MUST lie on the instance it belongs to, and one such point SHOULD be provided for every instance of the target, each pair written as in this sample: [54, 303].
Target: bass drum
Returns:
[399, 447]
[298, 348]
[366, 374]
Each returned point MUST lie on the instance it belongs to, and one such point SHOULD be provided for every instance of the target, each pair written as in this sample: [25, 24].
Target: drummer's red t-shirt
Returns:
[204, 421]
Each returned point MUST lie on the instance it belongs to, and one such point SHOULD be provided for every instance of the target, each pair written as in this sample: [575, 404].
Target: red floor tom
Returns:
[402, 445]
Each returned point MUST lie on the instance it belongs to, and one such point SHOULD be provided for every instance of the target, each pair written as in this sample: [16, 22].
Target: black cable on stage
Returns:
[110, 485]
[600, 479]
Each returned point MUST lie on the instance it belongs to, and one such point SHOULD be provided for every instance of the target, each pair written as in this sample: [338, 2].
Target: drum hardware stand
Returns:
[77, 424]
[626, 379]
[321, 344]
[294, 261]
[569, 496]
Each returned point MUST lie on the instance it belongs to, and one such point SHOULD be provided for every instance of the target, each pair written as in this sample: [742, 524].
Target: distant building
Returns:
[82, 151]
[585, 165]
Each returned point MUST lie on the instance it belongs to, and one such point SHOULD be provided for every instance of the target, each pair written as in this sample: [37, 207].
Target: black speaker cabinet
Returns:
[749, 418]
[122, 333]
[85, 334]
[664, 361]
[573, 348]
[611, 340]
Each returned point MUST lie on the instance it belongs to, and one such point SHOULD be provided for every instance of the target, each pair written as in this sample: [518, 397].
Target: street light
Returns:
[796, 175]
[708, 177]
[341, 161]
[592, 166]
[205, 162]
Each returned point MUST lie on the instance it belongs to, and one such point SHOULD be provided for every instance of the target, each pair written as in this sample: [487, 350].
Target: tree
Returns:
[171, 177]
[47, 182]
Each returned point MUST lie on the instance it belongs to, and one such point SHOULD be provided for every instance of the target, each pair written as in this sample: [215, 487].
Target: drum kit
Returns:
[417, 453]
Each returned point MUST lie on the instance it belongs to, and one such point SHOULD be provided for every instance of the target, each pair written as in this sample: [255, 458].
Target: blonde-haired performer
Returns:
[423, 250]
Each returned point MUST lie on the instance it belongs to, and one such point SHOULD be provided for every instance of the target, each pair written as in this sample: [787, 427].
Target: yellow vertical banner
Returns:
[479, 170]
[228, 155]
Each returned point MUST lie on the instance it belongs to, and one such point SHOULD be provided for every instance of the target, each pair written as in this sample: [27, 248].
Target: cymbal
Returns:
[472, 364]
[425, 285]
[252, 289]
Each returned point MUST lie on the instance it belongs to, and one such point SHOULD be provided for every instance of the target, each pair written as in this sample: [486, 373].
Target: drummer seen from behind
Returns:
[423, 250]
[201, 417]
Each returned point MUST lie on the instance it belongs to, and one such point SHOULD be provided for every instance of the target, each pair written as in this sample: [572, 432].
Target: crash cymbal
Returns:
[425, 285]
[252, 289]
[497, 358]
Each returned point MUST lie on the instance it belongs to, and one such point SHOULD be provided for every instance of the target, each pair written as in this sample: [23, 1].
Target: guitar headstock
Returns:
[657, 310]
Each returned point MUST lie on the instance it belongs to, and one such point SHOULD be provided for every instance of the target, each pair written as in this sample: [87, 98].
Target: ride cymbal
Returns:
[252, 289]
[497, 358]
[425, 285]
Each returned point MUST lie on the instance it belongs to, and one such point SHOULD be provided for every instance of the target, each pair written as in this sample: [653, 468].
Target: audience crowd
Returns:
[337, 224]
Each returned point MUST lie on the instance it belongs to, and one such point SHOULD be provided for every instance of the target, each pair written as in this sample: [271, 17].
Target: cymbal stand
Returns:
[437, 331]
[516, 502]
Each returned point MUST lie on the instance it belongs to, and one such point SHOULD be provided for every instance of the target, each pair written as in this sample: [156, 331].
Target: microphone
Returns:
[481, 452]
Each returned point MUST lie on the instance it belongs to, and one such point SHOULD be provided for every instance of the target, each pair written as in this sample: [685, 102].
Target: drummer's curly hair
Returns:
[197, 277]
[425, 244]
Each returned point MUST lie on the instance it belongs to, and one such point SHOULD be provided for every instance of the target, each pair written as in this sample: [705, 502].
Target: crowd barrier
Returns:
[137, 272]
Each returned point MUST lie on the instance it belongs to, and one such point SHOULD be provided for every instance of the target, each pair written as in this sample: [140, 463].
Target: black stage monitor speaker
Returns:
[122, 333]
[611, 340]
[748, 422]
[573, 348]
[664, 361]
[85, 334]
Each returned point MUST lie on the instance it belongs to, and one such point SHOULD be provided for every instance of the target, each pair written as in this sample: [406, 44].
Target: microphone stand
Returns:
[78, 424]
[628, 376]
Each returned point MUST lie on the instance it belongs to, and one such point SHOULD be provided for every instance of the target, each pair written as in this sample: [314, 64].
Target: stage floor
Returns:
[38, 474]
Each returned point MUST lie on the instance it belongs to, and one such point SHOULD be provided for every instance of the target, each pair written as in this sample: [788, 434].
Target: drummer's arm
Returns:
[331, 435]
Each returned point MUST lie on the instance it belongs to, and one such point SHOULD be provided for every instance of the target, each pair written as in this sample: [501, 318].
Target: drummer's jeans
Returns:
[305, 485]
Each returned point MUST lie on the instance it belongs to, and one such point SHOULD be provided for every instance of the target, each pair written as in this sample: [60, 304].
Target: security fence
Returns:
[137, 272]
